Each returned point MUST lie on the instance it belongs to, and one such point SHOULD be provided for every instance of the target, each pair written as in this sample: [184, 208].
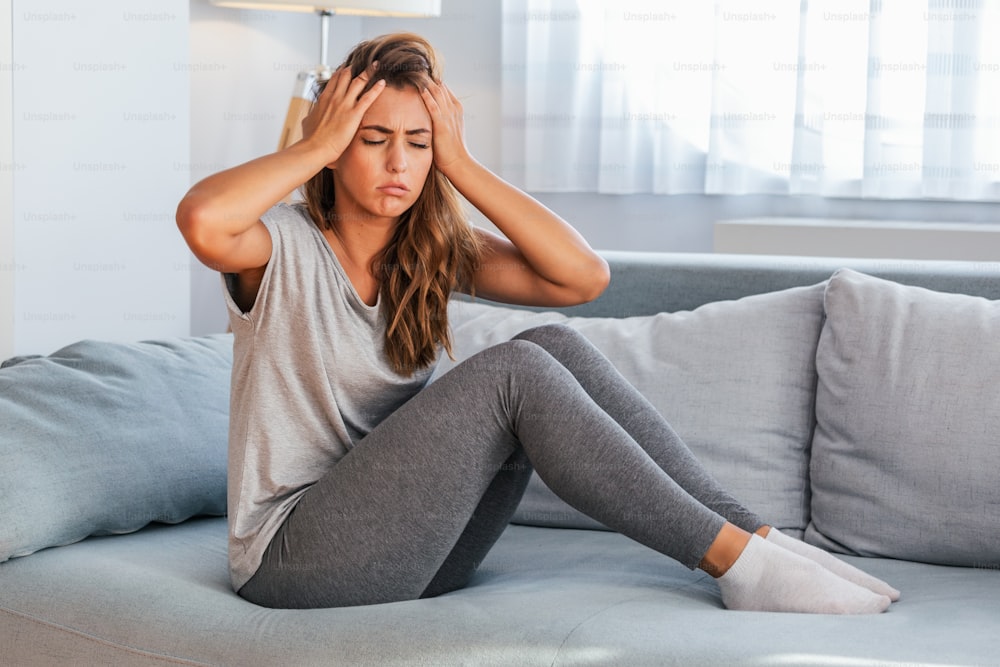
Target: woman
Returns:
[351, 480]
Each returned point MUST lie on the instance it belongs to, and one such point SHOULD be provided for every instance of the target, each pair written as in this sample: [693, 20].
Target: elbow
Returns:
[186, 217]
[602, 277]
[596, 280]
[192, 222]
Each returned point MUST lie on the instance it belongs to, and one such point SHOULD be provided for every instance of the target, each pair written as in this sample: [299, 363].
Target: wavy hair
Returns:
[433, 250]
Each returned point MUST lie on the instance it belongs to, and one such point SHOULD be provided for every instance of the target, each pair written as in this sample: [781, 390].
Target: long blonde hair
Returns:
[433, 250]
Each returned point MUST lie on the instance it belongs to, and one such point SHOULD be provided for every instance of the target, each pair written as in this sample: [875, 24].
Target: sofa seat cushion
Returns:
[735, 379]
[906, 457]
[543, 596]
[102, 438]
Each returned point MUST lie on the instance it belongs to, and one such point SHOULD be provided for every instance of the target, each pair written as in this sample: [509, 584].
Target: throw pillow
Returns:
[102, 438]
[735, 379]
[906, 455]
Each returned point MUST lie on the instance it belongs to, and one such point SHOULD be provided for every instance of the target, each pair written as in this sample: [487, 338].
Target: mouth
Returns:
[393, 189]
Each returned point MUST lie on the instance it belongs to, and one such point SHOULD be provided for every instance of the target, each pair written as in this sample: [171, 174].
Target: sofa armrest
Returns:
[644, 283]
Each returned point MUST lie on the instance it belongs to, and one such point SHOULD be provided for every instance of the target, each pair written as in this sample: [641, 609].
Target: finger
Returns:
[323, 89]
[364, 76]
[360, 82]
[430, 101]
[446, 99]
[340, 80]
[371, 95]
[434, 87]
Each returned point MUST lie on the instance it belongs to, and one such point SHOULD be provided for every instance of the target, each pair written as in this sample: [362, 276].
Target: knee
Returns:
[500, 363]
[512, 358]
[552, 337]
[546, 332]
[519, 352]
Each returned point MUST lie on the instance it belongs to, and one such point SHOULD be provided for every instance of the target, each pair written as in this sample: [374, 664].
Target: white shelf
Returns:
[879, 239]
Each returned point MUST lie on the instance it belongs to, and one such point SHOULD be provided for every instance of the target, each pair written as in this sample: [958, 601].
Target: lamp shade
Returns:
[411, 8]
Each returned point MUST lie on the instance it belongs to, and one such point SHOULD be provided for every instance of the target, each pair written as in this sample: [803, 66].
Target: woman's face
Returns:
[383, 170]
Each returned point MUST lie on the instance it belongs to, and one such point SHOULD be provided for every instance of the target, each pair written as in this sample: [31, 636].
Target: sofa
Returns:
[854, 403]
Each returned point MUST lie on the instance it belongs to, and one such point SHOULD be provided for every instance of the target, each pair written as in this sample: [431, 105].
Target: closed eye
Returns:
[369, 142]
[421, 146]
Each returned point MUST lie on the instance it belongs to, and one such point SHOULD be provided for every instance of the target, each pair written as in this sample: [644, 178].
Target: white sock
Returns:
[768, 578]
[832, 563]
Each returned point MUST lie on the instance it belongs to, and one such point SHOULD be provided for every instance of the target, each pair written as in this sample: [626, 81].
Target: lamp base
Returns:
[303, 98]
[298, 109]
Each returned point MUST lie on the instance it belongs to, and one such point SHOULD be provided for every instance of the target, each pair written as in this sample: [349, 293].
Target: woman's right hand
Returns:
[220, 215]
[337, 114]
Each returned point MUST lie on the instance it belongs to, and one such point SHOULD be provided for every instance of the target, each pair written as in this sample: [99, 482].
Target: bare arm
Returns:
[219, 217]
[543, 260]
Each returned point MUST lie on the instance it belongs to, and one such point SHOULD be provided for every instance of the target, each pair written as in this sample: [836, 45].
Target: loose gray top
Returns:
[310, 379]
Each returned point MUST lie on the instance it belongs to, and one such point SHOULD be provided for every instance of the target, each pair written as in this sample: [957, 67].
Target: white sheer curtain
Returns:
[842, 98]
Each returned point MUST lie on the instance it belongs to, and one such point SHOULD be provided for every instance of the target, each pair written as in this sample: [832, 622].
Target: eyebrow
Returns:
[385, 130]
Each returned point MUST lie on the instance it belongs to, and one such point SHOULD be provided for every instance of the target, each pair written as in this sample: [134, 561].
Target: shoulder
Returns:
[283, 216]
[292, 228]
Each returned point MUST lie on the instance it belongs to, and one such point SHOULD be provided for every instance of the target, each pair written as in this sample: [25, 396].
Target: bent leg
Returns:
[626, 405]
[378, 526]
[644, 423]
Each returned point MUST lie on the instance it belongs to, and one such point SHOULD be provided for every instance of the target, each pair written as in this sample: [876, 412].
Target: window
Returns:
[842, 98]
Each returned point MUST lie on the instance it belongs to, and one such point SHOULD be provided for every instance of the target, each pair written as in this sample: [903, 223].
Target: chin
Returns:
[394, 209]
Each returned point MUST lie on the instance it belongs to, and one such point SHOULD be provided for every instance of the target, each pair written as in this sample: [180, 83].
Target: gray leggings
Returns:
[415, 506]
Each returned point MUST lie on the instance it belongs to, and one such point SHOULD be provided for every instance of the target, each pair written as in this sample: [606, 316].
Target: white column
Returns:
[101, 121]
[7, 166]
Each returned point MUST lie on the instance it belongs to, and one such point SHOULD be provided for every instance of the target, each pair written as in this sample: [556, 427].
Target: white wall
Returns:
[876, 239]
[7, 166]
[100, 124]
[684, 223]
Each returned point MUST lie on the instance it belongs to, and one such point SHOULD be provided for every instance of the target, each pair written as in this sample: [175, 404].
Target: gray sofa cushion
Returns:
[542, 596]
[735, 379]
[102, 438]
[906, 454]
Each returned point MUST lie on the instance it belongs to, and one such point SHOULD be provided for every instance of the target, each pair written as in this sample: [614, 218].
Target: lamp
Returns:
[305, 83]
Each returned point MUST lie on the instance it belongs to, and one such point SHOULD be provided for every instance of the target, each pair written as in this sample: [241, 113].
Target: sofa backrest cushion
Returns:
[907, 447]
[103, 438]
[735, 379]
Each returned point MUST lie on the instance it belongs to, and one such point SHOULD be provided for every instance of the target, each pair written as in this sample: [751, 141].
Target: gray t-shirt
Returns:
[310, 379]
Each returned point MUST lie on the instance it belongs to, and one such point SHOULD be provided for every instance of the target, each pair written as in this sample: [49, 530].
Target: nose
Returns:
[396, 159]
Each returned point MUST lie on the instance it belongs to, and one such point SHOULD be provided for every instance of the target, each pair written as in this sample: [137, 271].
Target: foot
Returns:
[768, 578]
[832, 563]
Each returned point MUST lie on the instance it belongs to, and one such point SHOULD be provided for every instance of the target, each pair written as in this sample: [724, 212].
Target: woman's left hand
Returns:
[448, 125]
